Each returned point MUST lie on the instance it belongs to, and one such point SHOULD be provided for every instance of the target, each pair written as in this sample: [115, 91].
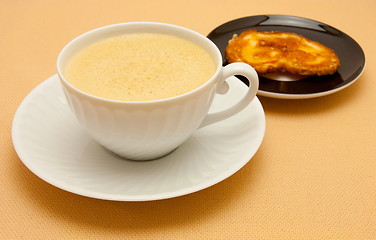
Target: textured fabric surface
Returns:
[314, 176]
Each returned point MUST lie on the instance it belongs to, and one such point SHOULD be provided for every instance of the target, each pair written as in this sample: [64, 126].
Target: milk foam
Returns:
[140, 67]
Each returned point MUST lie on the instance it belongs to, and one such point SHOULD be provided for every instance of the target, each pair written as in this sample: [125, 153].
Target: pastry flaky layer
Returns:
[276, 51]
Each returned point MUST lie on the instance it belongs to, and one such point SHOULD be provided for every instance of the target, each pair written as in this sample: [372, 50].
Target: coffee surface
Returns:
[140, 67]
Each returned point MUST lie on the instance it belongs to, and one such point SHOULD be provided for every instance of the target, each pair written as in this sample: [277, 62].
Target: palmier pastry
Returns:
[277, 51]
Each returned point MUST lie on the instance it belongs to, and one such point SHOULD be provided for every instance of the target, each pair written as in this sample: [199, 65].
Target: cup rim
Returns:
[214, 49]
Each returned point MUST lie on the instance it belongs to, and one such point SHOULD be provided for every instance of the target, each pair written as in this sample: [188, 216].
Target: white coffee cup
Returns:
[151, 129]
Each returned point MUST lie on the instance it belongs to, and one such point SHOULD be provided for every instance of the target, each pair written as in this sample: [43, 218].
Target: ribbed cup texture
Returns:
[140, 131]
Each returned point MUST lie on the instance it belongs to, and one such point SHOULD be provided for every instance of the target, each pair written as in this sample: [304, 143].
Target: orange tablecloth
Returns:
[314, 176]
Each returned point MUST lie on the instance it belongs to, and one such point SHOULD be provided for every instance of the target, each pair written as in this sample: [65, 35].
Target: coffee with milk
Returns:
[140, 67]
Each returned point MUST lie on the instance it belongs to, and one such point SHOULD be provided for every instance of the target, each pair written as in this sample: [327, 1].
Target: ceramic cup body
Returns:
[150, 129]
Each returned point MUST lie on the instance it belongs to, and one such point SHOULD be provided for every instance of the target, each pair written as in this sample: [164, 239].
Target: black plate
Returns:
[349, 52]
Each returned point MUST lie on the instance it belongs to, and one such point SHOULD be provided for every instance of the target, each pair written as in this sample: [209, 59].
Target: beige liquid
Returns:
[140, 67]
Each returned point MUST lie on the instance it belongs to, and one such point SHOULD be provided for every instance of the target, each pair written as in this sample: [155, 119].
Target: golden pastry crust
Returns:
[277, 51]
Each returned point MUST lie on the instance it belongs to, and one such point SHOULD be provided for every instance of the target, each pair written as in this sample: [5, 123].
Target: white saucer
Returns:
[51, 144]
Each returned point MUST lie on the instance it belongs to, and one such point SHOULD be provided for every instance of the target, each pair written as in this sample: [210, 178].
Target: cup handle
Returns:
[222, 88]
